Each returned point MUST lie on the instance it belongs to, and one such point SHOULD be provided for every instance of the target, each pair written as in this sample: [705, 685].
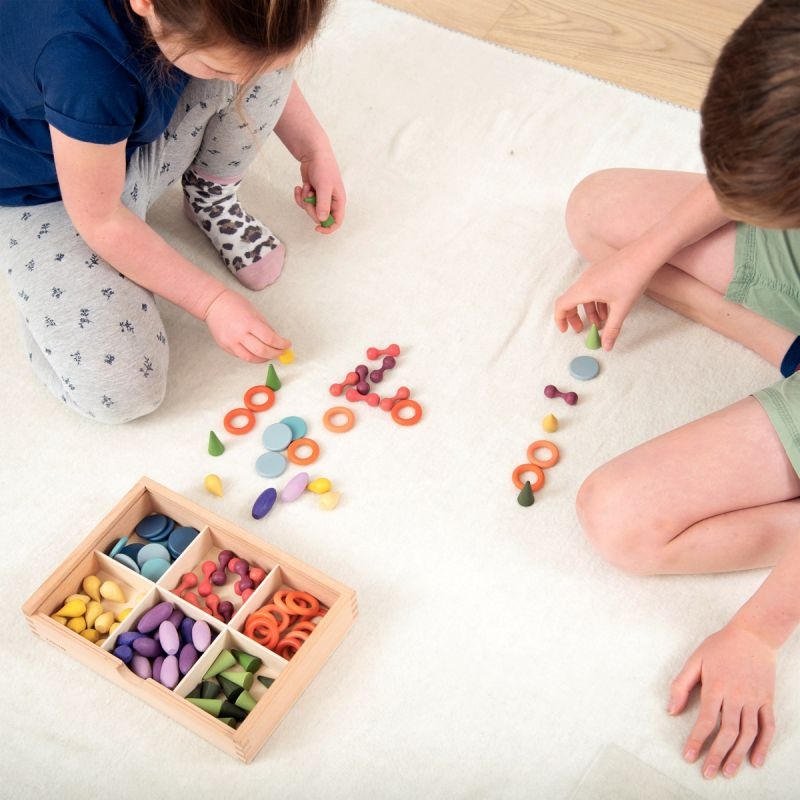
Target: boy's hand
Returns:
[607, 290]
[240, 330]
[322, 181]
[736, 670]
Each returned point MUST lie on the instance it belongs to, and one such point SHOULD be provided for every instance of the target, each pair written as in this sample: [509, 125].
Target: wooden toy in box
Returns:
[281, 678]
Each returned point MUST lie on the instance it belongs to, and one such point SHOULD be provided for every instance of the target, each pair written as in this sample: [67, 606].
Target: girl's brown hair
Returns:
[750, 135]
[262, 29]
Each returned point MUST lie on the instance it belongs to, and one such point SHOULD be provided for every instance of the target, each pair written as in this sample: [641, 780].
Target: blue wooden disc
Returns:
[180, 538]
[584, 368]
[298, 426]
[270, 465]
[152, 526]
[277, 436]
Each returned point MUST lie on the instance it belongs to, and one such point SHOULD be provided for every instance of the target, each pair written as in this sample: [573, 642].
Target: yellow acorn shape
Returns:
[213, 484]
[550, 423]
[59, 620]
[93, 611]
[77, 624]
[111, 591]
[329, 500]
[319, 486]
[91, 634]
[122, 613]
[91, 585]
[286, 357]
[104, 622]
[72, 608]
[77, 596]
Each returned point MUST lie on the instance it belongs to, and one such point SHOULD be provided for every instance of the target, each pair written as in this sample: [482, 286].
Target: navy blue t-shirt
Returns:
[86, 72]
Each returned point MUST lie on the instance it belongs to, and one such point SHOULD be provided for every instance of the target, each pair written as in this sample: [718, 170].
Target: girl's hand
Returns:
[736, 671]
[322, 181]
[240, 330]
[607, 290]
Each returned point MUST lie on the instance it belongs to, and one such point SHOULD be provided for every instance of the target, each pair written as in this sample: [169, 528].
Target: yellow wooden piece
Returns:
[91, 634]
[122, 613]
[550, 423]
[82, 597]
[104, 622]
[286, 357]
[329, 500]
[319, 486]
[213, 484]
[111, 591]
[93, 611]
[59, 620]
[72, 608]
[77, 624]
[91, 585]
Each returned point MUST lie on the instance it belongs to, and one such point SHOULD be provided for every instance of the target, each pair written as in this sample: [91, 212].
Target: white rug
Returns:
[495, 654]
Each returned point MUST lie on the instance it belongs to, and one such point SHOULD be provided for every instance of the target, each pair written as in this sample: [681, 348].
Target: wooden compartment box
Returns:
[282, 571]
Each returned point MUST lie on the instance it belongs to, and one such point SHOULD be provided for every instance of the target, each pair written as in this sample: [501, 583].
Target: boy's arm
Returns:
[617, 281]
[736, 668]
[304, 137]
[91, 178]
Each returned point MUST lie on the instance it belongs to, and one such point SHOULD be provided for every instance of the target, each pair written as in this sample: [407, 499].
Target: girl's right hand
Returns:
[239, 329]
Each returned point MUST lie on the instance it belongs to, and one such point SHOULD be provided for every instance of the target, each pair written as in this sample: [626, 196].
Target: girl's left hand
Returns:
[323, 181]
[736, 671]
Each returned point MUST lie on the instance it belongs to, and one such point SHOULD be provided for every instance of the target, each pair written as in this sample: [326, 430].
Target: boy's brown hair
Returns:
[750, 116]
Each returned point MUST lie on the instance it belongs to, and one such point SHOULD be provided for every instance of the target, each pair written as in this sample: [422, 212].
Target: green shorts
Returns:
[766, 279]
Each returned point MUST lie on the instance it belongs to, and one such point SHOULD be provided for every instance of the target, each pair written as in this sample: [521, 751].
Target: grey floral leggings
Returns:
[93, 337]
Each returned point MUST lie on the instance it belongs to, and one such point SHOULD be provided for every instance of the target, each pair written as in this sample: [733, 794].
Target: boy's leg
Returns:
[611, 208]
[94, 338]
[716, 495]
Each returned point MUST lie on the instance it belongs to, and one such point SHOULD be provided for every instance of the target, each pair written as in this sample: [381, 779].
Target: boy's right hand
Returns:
[239, 329]
[607, 290]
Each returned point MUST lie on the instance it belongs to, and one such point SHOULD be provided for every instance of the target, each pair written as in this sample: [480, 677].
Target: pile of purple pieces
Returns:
[165, 644]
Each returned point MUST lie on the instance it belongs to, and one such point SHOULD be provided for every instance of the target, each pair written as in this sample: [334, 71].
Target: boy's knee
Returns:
[614, 533]
[582, 213]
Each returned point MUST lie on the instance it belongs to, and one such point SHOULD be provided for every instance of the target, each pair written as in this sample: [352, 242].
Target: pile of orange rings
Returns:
[247, 412]
[285, 622]
[536, 466]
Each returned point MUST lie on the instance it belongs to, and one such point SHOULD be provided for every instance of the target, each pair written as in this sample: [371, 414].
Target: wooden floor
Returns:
[662, 48]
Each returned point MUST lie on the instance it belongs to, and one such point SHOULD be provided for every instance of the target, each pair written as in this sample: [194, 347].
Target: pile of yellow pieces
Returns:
[86, 614]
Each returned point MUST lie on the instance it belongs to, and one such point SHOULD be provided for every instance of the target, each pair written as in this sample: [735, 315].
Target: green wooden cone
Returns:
[213, 707]
[250, 663]
[525, 497]
[273, 381]
[246, 701]
[265, 680]
[230, 710]
[593, 338]
[239, 677]
[230, 689]
[215, 446]
[223, 661]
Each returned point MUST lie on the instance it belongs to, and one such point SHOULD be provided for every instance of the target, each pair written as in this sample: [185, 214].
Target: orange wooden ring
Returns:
[239, 412]
[523, 468]
[279, 599]
[303, 626]
[291, 451]
[255, 390]
[283, 652]
[400, 405]
[327, 419]
[271, 610]
[543, 444]
[294, 605]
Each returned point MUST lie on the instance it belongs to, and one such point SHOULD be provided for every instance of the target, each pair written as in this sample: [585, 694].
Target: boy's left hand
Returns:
[736, 671]
[323, 181]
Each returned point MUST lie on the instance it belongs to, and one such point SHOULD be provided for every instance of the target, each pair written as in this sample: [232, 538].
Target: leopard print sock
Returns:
[247, 247]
